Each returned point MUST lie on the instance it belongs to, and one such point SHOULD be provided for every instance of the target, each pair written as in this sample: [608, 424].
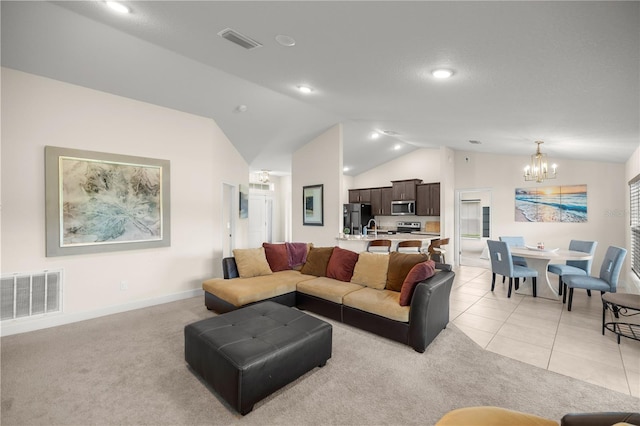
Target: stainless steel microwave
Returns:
[403, 207]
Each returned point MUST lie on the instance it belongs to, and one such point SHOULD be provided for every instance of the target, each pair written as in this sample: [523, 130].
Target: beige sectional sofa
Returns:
[404, 297]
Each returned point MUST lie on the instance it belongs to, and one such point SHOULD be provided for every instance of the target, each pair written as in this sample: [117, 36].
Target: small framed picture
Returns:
[313, 205]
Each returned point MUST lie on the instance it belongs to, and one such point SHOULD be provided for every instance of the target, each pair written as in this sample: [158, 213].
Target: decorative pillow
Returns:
[419, 272]
[341, 264]
[399, 266]
[317, 261]
[251, 262]
[276, 256]
[371, 270]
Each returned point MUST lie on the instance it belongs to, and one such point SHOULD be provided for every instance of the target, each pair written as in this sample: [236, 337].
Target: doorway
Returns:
[473, 226]
[229, 202]
[260, 219]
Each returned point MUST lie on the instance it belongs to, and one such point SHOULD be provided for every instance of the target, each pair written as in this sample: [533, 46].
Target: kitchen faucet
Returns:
[375, 230]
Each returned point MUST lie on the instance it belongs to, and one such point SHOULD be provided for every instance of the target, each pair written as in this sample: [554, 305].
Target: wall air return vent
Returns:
[239, 39]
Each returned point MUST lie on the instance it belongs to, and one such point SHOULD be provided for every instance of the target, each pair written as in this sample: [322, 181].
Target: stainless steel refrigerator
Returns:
[356, 216]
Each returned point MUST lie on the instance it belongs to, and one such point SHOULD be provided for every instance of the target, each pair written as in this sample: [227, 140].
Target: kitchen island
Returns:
[359, 243]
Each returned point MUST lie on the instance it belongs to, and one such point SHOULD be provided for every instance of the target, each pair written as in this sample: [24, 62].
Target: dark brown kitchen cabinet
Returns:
[428, 199]
[404, 189]
[381, 201]
[360, 195]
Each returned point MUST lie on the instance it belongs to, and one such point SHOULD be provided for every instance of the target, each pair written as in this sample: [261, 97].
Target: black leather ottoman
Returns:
[249, 353]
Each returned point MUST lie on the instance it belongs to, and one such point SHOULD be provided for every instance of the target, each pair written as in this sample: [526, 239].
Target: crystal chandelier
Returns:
[538, 170]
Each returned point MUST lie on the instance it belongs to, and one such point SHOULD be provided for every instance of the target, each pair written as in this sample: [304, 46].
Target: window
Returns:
[634, 208]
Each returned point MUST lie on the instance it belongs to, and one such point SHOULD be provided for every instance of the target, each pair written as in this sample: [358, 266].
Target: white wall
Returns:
[419, 164]
[503, 174]
[36, 112]
[319, 162]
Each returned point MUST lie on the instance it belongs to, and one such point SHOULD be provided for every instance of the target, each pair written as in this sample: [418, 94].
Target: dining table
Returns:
[539, 259]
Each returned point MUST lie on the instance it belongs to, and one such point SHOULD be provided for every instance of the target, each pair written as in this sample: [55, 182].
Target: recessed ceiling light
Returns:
[285, 40]
[442, 73]
[397, 147]
[345, 169]
[305, 89]
[118, 7]
[242, 108]
[374, 135]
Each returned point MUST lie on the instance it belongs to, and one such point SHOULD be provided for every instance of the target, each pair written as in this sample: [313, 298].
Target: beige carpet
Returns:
[129, 369]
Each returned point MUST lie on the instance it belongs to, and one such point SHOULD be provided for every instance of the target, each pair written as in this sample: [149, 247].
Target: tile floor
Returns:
[543, 333]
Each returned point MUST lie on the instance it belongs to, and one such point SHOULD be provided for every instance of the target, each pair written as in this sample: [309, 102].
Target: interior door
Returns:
[260, 219]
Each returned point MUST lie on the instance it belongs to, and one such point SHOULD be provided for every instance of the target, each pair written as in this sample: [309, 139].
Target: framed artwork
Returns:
[244, 202]
[313, 205]
[566, 203]
[99, 202]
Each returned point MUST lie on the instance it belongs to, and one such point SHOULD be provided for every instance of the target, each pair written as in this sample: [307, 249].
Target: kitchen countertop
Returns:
[385, 236]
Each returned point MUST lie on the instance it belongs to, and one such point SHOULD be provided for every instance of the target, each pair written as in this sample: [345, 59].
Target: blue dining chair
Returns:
[515, 242]
[606, 282]
[575, 267]
[502, 263]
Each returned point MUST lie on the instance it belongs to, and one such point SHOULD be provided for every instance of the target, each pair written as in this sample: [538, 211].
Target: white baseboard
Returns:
[9, 327]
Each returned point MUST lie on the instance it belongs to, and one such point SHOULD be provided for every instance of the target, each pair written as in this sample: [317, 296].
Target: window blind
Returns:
[634, 209]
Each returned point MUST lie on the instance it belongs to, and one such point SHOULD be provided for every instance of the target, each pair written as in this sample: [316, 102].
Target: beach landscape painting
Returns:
[566, 203]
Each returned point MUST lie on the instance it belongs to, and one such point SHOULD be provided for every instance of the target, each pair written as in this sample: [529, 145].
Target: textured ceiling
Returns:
[566, 73]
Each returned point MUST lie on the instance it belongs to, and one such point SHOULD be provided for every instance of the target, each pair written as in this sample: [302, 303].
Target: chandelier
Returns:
[263, 176]
[538, 169]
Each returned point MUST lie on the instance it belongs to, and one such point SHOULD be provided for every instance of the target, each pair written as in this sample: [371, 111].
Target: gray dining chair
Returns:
[607, 282]
[502, 263]
[575, 267]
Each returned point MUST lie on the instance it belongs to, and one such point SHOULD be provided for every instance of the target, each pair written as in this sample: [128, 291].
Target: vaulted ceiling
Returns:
[567, 73]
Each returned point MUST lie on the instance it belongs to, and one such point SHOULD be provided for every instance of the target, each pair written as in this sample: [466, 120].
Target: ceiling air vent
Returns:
[239, 39]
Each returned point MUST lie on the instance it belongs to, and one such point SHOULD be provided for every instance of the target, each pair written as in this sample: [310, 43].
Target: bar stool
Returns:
[409, 246]
[379, 246]
[435, 248]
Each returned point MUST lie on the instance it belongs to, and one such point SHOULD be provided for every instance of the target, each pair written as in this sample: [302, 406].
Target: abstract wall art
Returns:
[98, 202]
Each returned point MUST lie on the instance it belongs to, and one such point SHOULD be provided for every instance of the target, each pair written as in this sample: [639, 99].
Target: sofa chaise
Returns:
[400, 296]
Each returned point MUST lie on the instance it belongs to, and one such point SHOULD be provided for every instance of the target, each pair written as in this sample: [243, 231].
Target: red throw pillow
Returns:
[276, 256]
[419, 272]
[341, 264]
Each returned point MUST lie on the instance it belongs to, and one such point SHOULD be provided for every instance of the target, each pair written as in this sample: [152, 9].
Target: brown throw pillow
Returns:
[399, 266]
[276, 256]
[341, 264]
[317, 261]
[251, 262]
[419, 272]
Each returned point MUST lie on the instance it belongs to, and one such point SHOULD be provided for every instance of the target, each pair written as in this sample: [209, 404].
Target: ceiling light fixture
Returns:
[374, 135]
[397, 146]
[345, 169]
[263, 176]
[285, 40]
[538, 169]
[305, 89]
[118, 7]
[241, 108]
[442, 73]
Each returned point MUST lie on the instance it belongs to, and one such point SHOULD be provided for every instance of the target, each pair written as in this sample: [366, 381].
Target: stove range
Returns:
[407, 227]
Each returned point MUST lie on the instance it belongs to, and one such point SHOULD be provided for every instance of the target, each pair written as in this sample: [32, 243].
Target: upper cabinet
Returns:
[428, 199]
[359, 195]
[381, 201]
[404, 189]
